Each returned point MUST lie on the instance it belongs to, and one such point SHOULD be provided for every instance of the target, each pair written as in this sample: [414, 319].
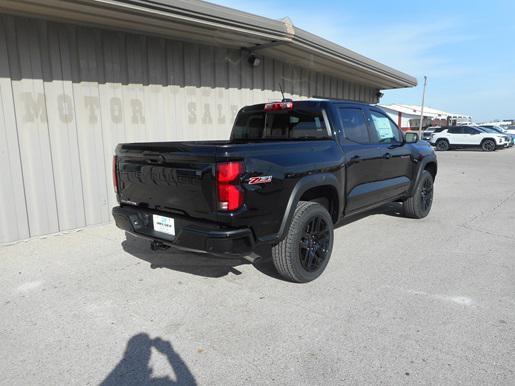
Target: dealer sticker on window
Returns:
[164, 224]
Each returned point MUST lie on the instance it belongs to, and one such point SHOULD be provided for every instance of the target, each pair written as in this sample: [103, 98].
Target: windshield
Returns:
[279, 125]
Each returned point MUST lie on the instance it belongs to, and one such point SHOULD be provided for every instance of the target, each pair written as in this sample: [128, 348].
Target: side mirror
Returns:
[410, 137]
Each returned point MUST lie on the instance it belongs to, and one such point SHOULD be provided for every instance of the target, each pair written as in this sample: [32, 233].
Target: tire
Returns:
[488, 145]
[305, 251]
[419, 205]
[442, 145]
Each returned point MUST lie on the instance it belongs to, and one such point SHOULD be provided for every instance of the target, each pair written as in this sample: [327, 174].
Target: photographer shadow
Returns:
[134, 368]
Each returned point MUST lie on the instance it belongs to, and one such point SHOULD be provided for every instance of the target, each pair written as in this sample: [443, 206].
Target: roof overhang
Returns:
[202, 22]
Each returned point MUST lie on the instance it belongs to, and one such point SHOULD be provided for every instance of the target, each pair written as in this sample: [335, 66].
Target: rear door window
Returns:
[470, 130]
[354, 126]
[455, 130]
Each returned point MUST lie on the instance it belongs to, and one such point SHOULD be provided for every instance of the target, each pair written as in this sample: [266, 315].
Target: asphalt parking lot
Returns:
[402, 301]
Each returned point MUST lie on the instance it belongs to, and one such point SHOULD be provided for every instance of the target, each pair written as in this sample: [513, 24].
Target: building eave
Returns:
[208, 23]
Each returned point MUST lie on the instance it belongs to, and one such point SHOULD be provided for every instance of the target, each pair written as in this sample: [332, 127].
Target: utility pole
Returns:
[422, 108]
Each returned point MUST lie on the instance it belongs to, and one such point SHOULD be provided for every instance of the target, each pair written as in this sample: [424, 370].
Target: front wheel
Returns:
[442, 145]
[419, 205]
[305, 251]
[488, 145]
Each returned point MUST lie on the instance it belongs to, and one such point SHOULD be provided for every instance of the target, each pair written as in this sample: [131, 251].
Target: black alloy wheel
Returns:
[420, 203]
[314, 244]
[305, 251]
[426, 195]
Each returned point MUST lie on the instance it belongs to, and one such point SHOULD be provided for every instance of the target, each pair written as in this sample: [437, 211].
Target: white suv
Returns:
[446, 138]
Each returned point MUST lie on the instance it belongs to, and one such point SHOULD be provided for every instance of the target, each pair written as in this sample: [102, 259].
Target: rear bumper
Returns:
[190, 234]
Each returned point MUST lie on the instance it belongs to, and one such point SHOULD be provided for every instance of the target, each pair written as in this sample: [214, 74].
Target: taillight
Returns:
[115, 174]
[230, 195]
[279, 106]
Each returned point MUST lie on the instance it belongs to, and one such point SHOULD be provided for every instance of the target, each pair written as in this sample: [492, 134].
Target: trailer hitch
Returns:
[158, 246]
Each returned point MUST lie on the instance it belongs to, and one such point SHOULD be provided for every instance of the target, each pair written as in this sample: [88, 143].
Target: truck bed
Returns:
[179, 177]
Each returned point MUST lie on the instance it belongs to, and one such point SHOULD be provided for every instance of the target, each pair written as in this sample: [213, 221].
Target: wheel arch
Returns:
[327, 196]
[323, 185]
[432, 168]
[430, 164]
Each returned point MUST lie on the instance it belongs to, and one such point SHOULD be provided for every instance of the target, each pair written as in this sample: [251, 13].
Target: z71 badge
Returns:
[260, 180]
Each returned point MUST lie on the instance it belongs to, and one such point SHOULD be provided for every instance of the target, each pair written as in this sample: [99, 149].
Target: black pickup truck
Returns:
[290, 173]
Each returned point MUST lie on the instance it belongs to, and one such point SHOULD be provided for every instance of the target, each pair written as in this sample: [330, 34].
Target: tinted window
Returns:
[249, 125]
[296, 124]
[455, 130]
[354, 125]
[489, 130]
[470, 130]
[384, 130]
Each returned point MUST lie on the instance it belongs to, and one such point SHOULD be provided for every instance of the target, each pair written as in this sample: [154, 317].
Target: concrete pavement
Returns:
[402, 302]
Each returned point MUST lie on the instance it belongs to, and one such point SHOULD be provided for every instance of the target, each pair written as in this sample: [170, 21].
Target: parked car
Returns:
[507, 131]
[499, 130]
[426, 134]
[436, 130]
[289, 174]
[467, 136]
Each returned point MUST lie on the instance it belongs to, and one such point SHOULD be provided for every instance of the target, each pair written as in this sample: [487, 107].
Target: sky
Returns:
[465, 48]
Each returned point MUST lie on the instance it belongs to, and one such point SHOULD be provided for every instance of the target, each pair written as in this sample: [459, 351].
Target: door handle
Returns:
[387, 156]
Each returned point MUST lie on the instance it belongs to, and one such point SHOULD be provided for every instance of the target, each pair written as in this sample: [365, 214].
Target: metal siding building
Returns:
[70, 91]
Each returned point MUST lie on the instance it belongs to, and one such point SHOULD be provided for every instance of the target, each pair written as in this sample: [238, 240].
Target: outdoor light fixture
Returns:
[254, 60]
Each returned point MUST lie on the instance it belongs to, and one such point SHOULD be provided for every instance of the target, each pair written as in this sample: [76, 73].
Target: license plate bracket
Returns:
[164, 224]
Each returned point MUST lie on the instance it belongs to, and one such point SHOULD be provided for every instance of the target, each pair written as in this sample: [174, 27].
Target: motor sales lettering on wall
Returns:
[127, 110]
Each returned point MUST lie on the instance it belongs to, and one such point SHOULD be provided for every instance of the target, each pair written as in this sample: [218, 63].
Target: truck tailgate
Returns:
[172, 177]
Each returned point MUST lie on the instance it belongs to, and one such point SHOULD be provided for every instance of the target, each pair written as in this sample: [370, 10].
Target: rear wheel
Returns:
[305, 251]
[442, 145]
[419, 205]
[488, 145]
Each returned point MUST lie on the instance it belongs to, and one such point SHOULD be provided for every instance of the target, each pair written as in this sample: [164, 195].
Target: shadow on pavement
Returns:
[201, 264]
[204, 264]
[134, 368]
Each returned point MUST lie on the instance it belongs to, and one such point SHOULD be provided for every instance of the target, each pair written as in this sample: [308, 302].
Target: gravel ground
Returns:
[402, 302]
